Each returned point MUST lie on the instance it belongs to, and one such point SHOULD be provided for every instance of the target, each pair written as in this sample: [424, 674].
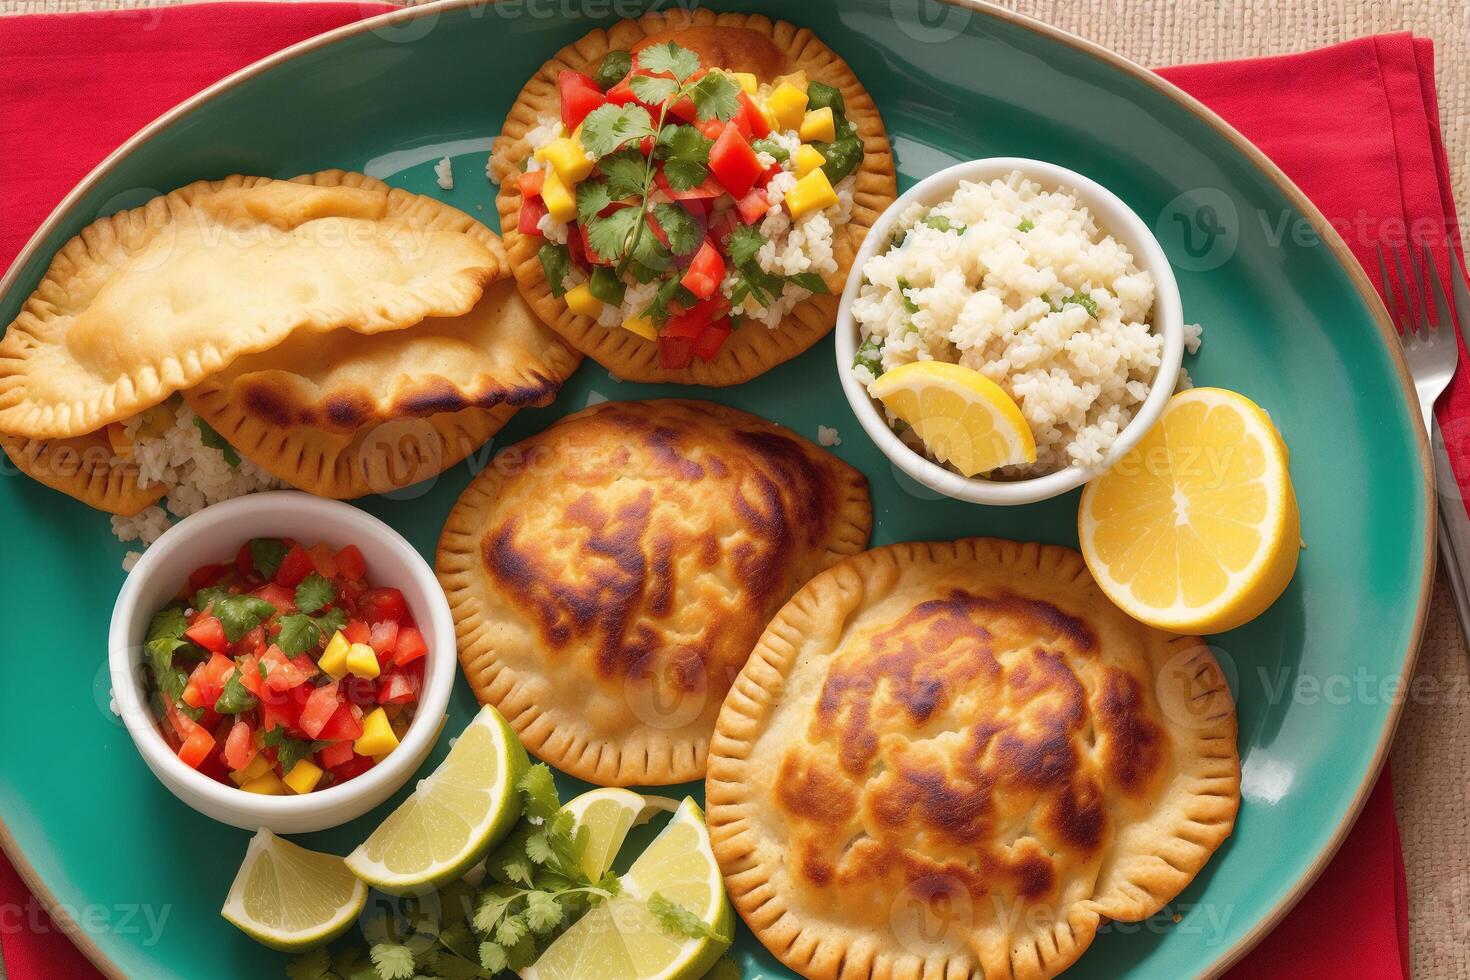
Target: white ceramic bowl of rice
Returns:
[1042, 280]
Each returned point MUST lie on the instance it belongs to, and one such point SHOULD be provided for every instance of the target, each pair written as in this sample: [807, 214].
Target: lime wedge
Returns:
[621, 939]
[290, 898]
[460, 811]
[608, 814]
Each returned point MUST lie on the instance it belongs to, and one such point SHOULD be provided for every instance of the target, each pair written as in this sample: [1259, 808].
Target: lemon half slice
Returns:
[963, 417]
[290, 898]
[1195, 530]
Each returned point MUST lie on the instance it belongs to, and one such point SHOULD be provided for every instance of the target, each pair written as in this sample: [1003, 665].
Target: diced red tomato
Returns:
[294, 567]
[240, 746]
[209, 633]
[203, 578]
[192, 695]
[353, 768]
[250, 673]
[770, 172]
[344, 725]
[350, 563]
[706, 191]
[377, 605]
[533, 209]
[410, 645]
[733, 161]
[208, 680]
[704, 274]
[337, 754]
[398, 688]
[321, 705]
[305, 664]
[282, 598]
[323, 560]
[712, 339]
[579, 96]
[282, 674]
[676, 339]
[750, 120]
[356, 631]
[645, 145]
[685, 109]
[531, 182]
[753, 206]
[711, 128]
[382, 638]
[252, 642]
[196, 748]
[622, 93]
[577, 251]
[279, 711]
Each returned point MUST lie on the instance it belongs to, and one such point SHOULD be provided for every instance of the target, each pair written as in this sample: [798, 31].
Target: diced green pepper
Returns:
[556, 262]
[614, 68]
[606, 286]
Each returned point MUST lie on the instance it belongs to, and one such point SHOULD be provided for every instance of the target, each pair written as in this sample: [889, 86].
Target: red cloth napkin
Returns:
[1355, 125]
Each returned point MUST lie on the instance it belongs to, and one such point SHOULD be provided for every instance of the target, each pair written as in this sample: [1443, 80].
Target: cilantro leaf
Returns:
[538, 792]
[682, 231]
[214, 440]
[314, 592]
[1083, 300]
[669, 57]
[168, 622]
[170, 680]
[676, 920]
[239, 614]
[614, 68]
[608, 127]
[650, 259]
[494, 903]
[715, 96]
[290, 751]
[331, 621]
[235, 698]
[592, 197]
[1026, 225]
[869, 355]
[685, 152]
[745, 242]
[266, 554]
[610, 236]
[556, 262]
[670, 291]
[626, 173]
[299, 633]
[543, 912]
[393, 962]
[208, 595]
[809, 281]
[493, 958]
[903, 292]
[651, 89]
[311, 965]
[511, 930]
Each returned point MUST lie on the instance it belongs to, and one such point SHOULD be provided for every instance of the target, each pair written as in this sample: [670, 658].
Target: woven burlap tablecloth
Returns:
[1431, 754]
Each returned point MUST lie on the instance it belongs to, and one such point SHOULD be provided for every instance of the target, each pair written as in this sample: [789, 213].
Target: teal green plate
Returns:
[1290, 323]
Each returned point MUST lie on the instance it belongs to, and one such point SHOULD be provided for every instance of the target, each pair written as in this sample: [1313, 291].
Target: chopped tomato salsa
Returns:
[267, 671]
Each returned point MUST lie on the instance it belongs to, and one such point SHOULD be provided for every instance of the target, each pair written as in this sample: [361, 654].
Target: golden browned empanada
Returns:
[609, 576]
[955, 760]
[151, 301]
[737, 42]
[84, 467]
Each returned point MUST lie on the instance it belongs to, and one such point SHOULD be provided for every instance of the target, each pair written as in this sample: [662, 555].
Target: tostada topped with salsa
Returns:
[682, 195]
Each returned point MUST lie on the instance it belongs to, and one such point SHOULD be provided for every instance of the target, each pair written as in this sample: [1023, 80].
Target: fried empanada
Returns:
[609, 576]
[151, 301]
[84, 467]
[956, 760]
[737, 42]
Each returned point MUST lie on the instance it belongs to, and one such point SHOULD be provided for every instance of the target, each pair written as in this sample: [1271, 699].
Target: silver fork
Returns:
[1432, 355]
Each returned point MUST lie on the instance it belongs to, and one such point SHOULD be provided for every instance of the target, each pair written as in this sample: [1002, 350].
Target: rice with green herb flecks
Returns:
[1020, 284]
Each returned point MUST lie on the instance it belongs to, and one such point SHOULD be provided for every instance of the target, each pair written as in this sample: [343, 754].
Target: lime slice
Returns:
[460, 811]
[608, 815]
[622, 940]
[290, 898]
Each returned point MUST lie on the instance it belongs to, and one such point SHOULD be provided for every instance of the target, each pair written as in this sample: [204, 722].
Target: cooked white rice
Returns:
[1002, 274]
[444, 174]
[196, 476]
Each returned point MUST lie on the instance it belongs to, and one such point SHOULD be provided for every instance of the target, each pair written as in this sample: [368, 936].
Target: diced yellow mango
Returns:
[642, 326]
[333, 660]
[362, 661]
[808, 158]
[258, 767]
[581, 301]
[748, 82]
[377, 736]
[568, 157]
[788, 104]
[811, 193]
[796, 78]
[303, 777]
[818, 125]
[267, 785]
[560, 202]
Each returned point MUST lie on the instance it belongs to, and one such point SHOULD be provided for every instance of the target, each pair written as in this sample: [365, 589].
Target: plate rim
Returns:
[1328, 234]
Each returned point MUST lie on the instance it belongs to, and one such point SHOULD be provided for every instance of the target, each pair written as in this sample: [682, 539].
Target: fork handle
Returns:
[1454, 536]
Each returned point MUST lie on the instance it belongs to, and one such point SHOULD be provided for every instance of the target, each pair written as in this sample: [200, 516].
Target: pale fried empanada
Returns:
[737, 42]
[150, 301]
[609, 576]
[956, 760]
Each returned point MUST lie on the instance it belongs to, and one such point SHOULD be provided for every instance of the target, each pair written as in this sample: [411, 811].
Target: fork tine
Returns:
[1435, 287]
[1414, 324]
[1422, 290]
[1389, 294]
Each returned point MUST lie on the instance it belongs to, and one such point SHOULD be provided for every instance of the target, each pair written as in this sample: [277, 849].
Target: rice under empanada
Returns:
[150, 301]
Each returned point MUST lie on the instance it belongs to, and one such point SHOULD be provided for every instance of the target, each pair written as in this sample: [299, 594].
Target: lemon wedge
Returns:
[290, 898]
[1196, 529]
[608, 814]
[963, 417]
